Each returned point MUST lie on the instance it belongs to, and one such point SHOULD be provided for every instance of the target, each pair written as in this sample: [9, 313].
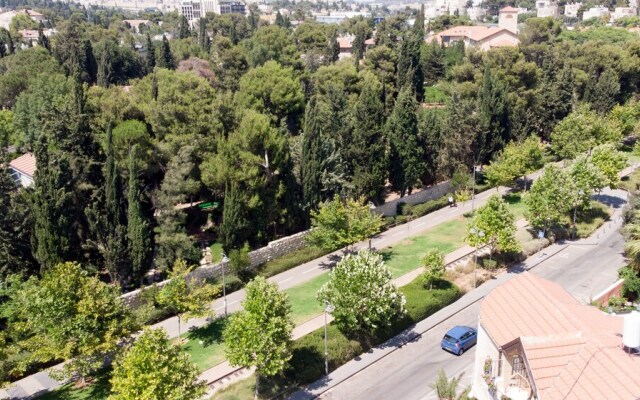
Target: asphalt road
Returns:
[584, 269]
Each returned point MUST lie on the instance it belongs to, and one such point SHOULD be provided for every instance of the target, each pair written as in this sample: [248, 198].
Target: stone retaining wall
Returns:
[274, 249]
[390, 208]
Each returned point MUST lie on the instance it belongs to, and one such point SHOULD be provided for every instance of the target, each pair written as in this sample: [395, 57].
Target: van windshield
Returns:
[450, 339]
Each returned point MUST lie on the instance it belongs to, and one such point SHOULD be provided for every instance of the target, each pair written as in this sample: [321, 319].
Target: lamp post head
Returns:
[472, 231]
[328, 307]
[225, 259]
[481, 234]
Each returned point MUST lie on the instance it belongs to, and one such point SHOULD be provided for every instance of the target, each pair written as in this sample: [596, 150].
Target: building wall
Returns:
[571, 10]
[484, 348]
[500, 38]
[508, 21]
[548, 11]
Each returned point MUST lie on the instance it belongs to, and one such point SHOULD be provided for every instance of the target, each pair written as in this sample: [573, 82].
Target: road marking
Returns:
[564, 255]
[284, 280]
[309, 270]
[397, 233]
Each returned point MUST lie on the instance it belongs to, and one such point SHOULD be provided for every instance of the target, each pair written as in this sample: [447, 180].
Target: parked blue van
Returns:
[459, 339]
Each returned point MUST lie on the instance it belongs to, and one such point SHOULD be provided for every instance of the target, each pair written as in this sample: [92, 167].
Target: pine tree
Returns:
[138, 230]
[166, 59]
[602, 92]
[43, 41]
[151, 54]
[183, 30]
[406, 165]
[234, 231]
[53, 211]
[366, 151]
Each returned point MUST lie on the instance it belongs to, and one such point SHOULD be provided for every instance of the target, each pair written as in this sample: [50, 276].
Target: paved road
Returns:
[584, 268]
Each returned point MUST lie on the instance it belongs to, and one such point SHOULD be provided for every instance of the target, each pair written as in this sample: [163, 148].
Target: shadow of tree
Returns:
[210, 333]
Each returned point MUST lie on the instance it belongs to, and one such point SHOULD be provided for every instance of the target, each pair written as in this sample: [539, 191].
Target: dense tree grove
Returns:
[153, 141]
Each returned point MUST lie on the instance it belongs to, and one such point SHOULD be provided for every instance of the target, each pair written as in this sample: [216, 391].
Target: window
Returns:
[517, 366]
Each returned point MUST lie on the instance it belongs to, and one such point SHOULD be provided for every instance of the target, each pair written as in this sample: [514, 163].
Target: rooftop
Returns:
[573, 351]
[26, 164]
[476, 33]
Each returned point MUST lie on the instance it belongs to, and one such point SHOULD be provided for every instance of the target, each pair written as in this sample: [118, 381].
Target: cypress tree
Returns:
[138, 231]
[406, 165]
[53, 211]
[89, 66]
[494, 114]
[602, 92]
[418, 25]
[366, 152]
[410, 70]
[183, 30]
[311, 168]
[154, 87]
[3, 48]
[151, 54]
[10, 48]
[234, 231]
[166, 57]
[279, 20]
[104, 68]
[333, 50]
[203, 39]
[358, 46]
[43, 41]
[434, 63]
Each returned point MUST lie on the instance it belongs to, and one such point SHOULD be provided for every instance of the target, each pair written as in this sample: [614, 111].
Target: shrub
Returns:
[240, 263]
[290, 260]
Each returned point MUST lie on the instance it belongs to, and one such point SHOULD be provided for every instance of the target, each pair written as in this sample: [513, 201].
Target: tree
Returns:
[406, 164]
[341, 223]
[108, 220]
[364, 298]
[151, 54]
[434, 63]
[203, 38]
[447, 389]
[166, 59]
[138, 229]
[366, 150]
[52, 205]
[260, 335]
[515, 160]
[494, 117]
[184, 295]
[235, 229]
[434, 267]
[72, 316]
[43, 41]
[581, 131]
[177, 187]
[547, 201]
[154, 368]
[586, 178]
[603, 92]
[409, 68]
[610, 162]
[498, 224]
[183, 29]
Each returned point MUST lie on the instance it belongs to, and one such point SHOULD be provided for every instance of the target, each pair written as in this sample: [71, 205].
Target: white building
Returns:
[571, 9]
[476, 13]
[196, 9]
[596, 12]
[621, 12]
[548, 11]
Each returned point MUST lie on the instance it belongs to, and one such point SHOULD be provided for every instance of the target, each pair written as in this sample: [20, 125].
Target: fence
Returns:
[390, 208]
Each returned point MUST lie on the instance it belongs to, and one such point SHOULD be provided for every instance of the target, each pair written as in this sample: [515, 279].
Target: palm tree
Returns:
[447, 389]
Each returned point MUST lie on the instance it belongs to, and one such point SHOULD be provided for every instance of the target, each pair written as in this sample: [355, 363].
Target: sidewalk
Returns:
[365, 360]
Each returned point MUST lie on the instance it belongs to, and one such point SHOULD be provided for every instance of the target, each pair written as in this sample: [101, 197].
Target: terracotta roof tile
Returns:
[573, 351]
[26, 164]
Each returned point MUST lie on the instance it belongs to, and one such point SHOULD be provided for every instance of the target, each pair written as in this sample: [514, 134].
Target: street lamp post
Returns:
[575, 208]
[328, 308]
[473, 190]
[225, 260]
[478, 233]
[371, 208]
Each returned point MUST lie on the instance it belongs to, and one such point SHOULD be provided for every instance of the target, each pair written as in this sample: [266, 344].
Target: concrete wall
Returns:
[484, 348]
[274, 249]
[602, 299]
[389, 208]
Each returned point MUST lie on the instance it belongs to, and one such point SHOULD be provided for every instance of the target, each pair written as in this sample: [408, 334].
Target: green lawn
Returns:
[205, 344]
[304, 304]
[98, 390]
[516, 205]
[216, 252]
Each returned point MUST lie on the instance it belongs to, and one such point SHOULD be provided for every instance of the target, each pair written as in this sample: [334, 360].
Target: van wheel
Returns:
[461, 351]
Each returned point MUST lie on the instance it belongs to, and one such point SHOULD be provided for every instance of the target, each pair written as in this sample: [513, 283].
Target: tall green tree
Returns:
[138, 229]
[151, 54]
[434, 63]
[108, 220]
[434, 267]
[183, 28]
[363, 294]
[204, 41]
[494, 116]
[603, 91]
[366, 150]
[155, 368]
[260, 335]
[235, 229]
[43, 40]
[406, 165]
[53, 238]
[166, 59]
[409, 68]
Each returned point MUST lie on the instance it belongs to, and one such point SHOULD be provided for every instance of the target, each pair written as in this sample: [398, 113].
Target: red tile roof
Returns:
[509, 9]
[26, 164]
[573, 351]
[476, 33]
